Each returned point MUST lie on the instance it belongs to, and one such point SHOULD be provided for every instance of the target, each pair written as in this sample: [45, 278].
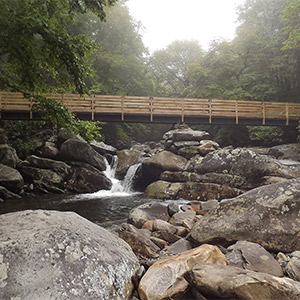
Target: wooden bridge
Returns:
[159, 110]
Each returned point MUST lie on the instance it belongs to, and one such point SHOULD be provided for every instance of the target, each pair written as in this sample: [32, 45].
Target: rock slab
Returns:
[267, 215]
[60, 255]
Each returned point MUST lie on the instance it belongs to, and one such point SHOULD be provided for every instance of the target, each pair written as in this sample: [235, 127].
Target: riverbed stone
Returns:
[74, 149]
[88, 180]
[59, 256]
[41, 177]
[189, 191]
[267, 215]
[160, 162]
[5, 194]
[183, 218]
[140, 243]
[287, 152]
[10, 178]
[49, 150]
[103, 148]
[8, 156]
[245, 163]
[252, 256]
[148, 211]
[59, 167]
[185, 134]
[164, 279]
[293, 269]
[229, 282]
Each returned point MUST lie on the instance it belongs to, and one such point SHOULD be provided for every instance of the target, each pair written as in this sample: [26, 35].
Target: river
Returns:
[105, 208]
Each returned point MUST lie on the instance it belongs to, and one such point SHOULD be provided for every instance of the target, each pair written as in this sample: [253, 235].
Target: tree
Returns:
[171, 67]
[118, 60]
[37, 53]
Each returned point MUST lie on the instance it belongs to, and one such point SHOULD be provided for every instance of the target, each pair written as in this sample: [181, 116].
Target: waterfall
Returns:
[119, 187]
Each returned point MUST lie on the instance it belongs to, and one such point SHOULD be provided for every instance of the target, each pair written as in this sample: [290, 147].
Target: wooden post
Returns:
[93, 107]
[287, 113]
[210, 112]
[62, 98]
[182, 110]
[122, 107]
[236, 113]
[151, 109]
[264, 113]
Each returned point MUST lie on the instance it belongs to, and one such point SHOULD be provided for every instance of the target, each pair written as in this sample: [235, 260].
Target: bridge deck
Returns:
[159, 110]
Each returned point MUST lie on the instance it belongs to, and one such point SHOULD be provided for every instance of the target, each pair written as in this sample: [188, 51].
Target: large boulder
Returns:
[59, 167]
[164, 279]
[49, 150]
[287, 151]
[103, 148]
[87, 180]
[267, 215]
[185, 134]
[229, 282]
[60, 255]
[246, 163]
[189, 191]
[160, 162]
[74, 149]
[234, 181]
[11, 178]
[252, 256]
[148, 211]
[8, 156]
[42, 178]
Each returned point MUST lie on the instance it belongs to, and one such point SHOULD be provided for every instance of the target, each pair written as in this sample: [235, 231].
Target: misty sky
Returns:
[169, 20]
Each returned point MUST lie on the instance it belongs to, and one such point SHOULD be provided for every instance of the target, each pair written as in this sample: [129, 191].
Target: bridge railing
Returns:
[159, 106]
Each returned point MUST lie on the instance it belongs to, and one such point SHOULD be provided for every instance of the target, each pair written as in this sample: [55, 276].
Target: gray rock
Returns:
[287, 151]
[49, 150]
[253, 257]
[245, 163]
[60, 256]
[59, 167]
[162, 161]
[10, 178]
[293, 269]
[138, 241]
[148, 211]
[77, 150]
[229, 282]
[186, 134]
[183, 218]
[6, 194]
[189, 191]
[8, 156]
[42, 177]
[266, 215]
[88, 180]
[179, 247]
[210, 204]
[103, 148]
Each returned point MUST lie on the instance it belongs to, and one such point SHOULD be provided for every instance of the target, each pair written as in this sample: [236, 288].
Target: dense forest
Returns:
[95, 46]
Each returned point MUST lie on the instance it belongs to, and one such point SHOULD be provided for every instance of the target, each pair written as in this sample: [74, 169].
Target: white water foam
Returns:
[119, 188]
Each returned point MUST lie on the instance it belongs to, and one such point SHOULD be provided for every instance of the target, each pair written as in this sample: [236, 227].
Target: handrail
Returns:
[160, 106]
